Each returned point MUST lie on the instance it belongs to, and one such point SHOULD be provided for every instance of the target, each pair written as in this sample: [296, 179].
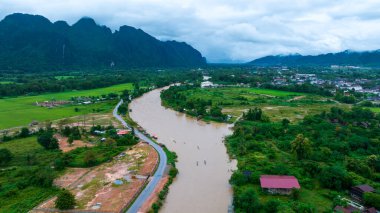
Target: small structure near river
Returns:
[279, 184]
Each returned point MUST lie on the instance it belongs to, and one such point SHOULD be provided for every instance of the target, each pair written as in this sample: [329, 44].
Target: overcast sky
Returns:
[230, 30]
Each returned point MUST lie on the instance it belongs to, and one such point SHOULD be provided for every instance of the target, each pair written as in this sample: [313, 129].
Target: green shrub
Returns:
[246, 200]
[372, 199]
[47, 140]
[65, 200]
[5, 156]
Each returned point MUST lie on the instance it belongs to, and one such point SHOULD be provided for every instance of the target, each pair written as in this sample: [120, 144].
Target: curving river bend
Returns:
[203, 164]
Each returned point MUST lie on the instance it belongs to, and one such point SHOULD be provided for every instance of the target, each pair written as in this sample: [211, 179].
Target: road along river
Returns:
[203, 164]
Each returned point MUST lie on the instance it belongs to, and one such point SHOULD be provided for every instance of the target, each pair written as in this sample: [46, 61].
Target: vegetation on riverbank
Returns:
[327, 152]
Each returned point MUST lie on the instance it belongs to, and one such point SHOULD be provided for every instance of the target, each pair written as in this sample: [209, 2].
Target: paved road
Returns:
[155, 179]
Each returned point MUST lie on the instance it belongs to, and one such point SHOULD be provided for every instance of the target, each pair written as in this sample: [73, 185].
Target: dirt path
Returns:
[296, 98]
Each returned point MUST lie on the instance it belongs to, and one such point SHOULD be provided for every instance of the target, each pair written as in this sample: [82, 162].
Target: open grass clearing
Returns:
[375, 109]
[275, 104]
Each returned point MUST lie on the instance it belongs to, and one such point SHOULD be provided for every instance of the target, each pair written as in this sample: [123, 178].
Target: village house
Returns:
[278, 184]
[51, 104]
[207, 84]
[357, 192]
[352, 209]
[122, 132]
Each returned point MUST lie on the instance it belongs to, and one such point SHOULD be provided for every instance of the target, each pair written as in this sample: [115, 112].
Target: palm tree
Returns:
[301, 147]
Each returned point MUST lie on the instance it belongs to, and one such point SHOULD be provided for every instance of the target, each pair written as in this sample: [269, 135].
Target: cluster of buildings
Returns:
[206, 83]
[73, 100]
[342, 84]
[297, 79]
[355, 203]
[51, 104]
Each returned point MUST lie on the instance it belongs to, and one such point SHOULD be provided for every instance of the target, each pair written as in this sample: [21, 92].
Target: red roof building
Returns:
[122, 132]
[278, 184]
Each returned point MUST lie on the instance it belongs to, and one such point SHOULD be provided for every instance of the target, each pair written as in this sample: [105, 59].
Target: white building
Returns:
[206, 84]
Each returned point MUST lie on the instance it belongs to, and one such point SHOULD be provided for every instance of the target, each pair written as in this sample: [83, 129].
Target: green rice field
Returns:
[21, 111]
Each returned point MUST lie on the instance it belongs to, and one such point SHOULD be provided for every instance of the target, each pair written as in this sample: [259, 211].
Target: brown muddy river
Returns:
[203, 164]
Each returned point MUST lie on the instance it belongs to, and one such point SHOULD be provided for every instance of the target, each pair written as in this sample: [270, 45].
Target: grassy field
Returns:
[276, 104]
[271, 92]
[18, 199]
[63, 77]
[20, 148]
[22, 110]
[375, 109]
[6, 82]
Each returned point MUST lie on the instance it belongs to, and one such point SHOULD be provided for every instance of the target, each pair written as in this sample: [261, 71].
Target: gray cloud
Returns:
[230, 31]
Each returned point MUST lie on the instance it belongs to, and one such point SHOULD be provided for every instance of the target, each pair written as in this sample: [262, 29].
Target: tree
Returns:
[301, 147]
[125, 95]
[70, 140]
[216, 112]
[335, 177]
[42, 177]
[65, 200]
[5, 156]
[373, 161]
[285, 122]
[295, 194]
[126, 140]
[24, 132]
[75, 132]
[372, 199]
[122, 109]
[47, 140]
[59, 164]
[272, 206]
[110, 142]
[89, 159]
[255, 114]
[247, 201]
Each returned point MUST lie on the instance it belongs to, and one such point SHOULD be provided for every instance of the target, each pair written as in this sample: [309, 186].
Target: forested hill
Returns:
[33, 43]
[349, 58]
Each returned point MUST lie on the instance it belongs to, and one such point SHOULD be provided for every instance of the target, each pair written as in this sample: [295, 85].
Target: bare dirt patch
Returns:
[111, 186]
[72, 175]
[66, 147]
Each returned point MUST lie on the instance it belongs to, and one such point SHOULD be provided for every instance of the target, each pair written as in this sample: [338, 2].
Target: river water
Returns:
[204, 166]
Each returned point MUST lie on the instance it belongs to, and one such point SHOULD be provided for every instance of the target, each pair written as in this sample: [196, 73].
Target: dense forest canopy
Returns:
[24, 83]
[33, 43]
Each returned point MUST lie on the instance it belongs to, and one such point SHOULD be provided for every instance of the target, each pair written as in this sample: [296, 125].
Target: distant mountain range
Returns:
[349, 58]
[33, 43]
